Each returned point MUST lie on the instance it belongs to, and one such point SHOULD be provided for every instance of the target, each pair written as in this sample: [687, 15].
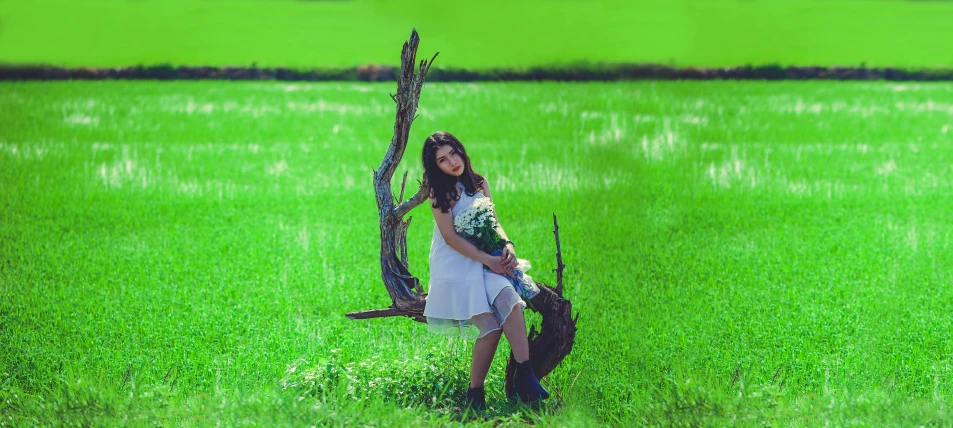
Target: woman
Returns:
[464, 299]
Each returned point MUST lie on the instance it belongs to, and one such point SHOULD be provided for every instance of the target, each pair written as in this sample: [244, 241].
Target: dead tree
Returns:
[558, 329]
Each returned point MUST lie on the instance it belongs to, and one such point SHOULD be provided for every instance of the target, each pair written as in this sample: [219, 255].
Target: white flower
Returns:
[477, 217]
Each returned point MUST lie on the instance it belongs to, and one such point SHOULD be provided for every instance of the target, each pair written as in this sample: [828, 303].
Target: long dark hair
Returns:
[442, 186]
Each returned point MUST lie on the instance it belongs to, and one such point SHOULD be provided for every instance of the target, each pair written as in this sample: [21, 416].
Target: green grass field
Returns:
[476, 35]
[740, 253]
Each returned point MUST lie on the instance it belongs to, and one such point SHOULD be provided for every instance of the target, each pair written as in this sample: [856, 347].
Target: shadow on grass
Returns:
[432, 382]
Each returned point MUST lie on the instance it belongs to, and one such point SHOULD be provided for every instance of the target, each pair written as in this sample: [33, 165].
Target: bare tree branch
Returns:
[559, 259]
[403, 183]
[404, 289]
[415, 200]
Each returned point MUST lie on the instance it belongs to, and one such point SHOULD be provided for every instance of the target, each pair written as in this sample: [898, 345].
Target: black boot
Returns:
[476, 399]
[526, 386]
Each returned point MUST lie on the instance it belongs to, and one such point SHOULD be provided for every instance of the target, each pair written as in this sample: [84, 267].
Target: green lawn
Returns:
[739, 253]
[492, 33]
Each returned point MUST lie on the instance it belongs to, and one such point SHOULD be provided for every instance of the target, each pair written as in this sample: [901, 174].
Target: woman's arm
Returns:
[454, 240]
[509, 254]
[499, 227]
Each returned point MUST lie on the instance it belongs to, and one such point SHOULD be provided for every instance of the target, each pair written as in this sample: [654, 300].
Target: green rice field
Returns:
[477, 35]
[740, 254]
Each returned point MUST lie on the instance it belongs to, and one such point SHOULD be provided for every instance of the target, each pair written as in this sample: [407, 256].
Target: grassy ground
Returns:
[290, 33]
[740, 253]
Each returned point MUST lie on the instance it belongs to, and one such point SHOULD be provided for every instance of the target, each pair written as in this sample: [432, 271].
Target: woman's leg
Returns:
[515, 329]
[483, 351]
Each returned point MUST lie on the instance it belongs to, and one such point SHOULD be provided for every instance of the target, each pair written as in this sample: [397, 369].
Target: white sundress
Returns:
[463, 298]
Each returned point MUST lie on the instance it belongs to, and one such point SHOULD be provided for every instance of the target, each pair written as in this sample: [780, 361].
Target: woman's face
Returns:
[449, 160]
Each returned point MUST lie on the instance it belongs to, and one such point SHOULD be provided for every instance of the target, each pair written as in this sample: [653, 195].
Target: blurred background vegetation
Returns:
[491, 33]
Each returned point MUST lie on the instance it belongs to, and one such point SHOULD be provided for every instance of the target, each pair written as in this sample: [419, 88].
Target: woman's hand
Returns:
[509, 257]
[495, 263]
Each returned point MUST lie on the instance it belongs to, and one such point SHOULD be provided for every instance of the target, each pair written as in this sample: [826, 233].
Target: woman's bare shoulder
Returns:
[485, 188]
[433, 203]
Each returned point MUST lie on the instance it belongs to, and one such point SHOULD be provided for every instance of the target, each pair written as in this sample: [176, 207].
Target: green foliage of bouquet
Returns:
[478, 223]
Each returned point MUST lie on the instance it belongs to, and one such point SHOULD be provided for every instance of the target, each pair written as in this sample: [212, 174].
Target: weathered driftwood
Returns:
[404, 289]
[558, 330]
[554, 341]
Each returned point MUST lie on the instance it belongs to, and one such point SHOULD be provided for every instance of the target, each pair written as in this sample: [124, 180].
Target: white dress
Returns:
[463, 298]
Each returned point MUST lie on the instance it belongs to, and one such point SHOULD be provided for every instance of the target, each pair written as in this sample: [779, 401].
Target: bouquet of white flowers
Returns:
[478, 225]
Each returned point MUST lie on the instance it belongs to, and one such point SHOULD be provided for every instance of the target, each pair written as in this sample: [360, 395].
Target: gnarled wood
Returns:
[554, 341]
[404, 289]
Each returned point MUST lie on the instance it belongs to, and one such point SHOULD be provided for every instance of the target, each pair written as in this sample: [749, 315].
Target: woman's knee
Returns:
[493, 336]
